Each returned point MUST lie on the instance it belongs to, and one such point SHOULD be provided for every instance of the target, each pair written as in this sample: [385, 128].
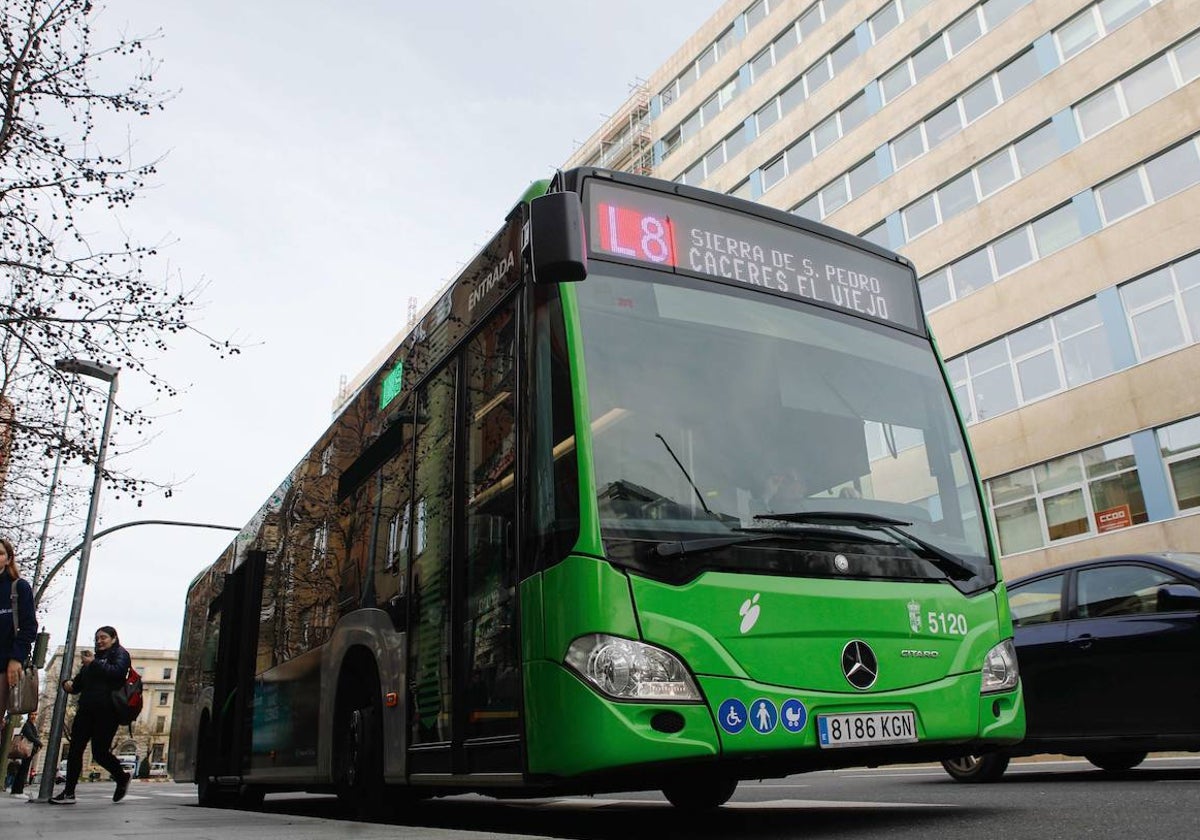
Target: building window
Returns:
[1146, 85]
[1090, 492]
[755, 14]
[1018, 74]
[878, 235]
[1044, 358]
[743, 190]
[961, 112]
[997, 11]
[884, 21]
[1094, 22]
[1158, 178]
[160, 724]
[163, 698]
[1179, 444]
[166, 673]
[1163, 308]
[320, 545]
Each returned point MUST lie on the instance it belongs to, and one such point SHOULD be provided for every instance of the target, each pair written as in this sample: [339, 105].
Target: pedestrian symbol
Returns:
[732, 716]
[763, 715]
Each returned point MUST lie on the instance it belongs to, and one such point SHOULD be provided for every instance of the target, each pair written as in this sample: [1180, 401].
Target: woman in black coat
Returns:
[29, 733]
[15, 643]
[96, 715]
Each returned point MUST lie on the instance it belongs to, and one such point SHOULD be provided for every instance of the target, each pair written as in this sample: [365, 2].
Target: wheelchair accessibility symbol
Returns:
[732, 716]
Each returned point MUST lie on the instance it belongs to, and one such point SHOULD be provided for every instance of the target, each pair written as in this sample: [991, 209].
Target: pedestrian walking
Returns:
[15, 644]
[29, 733]
[96, 722]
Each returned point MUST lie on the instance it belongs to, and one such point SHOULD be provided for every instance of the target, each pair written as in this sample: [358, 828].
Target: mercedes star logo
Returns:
[859, 664]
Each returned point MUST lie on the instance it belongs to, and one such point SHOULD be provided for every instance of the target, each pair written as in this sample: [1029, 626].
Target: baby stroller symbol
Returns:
[794, 715]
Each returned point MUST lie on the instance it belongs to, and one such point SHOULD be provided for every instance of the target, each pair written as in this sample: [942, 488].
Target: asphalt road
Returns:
[1045, 800]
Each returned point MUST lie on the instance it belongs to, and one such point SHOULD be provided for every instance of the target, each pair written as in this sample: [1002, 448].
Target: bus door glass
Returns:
[489, 619]
[429, 621]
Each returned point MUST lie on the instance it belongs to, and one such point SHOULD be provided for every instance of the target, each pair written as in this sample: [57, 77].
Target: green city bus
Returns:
[665, 491]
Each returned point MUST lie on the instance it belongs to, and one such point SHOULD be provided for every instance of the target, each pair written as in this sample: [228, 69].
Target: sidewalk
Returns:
[156, 810]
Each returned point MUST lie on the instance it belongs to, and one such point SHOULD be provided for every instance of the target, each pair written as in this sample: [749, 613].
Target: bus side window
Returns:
[553, 468]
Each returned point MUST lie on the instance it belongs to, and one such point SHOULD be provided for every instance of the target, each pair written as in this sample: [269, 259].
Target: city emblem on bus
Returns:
[732, 715]
[749, 612]
[914, 616]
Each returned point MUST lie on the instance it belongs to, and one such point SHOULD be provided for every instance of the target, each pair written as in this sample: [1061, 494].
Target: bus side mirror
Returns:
[557, 249]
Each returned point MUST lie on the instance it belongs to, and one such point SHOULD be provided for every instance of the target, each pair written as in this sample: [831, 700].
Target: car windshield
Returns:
[715, 412]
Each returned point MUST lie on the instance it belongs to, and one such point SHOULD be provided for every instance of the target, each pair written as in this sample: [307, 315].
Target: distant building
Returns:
[1039, 162]
[151, 735]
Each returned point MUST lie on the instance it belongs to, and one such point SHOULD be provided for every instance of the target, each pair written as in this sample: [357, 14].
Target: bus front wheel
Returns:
[976, 768]
[700, 794]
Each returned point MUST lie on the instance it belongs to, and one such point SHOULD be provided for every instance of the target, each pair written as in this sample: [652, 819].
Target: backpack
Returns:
[128, 698]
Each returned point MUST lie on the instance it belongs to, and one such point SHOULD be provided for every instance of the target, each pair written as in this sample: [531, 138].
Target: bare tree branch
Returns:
[67, 170]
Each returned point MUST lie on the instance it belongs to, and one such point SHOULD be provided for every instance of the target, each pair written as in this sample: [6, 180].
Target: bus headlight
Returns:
[629, 670]
[1000, 670]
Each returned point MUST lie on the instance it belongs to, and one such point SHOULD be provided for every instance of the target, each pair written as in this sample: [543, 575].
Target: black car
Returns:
[1109, 654]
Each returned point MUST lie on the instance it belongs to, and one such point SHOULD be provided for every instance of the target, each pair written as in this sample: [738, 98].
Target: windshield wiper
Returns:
[949, 564]
[686, 475]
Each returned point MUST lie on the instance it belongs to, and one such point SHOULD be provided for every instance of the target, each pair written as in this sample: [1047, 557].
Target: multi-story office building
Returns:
[1039, 162]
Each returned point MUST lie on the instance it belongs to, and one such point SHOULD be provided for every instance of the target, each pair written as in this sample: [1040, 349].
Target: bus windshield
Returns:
[719, 412]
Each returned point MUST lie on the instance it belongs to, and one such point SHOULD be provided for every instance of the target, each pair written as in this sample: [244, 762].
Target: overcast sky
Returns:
[325, 161]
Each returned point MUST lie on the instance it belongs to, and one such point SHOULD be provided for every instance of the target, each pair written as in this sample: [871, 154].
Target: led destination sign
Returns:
[678, 233]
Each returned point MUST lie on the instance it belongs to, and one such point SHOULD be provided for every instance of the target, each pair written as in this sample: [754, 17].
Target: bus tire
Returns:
[976, 769]
[358, 744]
[703, 793]
[1116, 762]
[251, 798]
[208, 792]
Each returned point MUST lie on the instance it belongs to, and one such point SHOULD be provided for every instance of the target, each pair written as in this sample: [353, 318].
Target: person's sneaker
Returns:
[63, 798]
[122, 788]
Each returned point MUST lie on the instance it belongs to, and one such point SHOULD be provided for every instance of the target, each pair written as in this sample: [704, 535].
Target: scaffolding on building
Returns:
[623, 142]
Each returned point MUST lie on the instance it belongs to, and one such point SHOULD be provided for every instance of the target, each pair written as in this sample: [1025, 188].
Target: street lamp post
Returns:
[105, 373]
[41, 555]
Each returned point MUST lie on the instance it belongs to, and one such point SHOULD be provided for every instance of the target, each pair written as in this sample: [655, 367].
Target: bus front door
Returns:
[227, 745]
[464, 663]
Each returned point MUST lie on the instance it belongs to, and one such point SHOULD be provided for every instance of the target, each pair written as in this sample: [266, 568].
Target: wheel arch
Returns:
[364, 645]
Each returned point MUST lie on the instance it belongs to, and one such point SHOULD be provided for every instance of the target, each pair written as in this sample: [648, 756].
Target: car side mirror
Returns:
[1177, 597]
[558, 252]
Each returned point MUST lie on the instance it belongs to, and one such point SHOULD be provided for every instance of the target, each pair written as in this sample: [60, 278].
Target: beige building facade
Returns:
[151, 735]
[1039, 162]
